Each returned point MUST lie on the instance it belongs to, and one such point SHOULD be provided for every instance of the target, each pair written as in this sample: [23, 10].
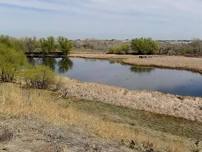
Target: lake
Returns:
[179, 82]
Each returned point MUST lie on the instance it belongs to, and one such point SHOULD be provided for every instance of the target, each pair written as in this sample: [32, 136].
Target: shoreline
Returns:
[186, 107]
[189, 108]
[169, 62]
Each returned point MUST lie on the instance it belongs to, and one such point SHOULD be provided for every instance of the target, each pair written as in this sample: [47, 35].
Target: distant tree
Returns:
[144, 46]
[31, 44]
[47, 44]
[119, 49]
[64, 45]
[196, 45]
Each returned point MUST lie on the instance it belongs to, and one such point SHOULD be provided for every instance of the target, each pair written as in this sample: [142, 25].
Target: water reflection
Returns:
[141, 69]
[64, 65]
[137, 77]
[60, 65]
[132, 77]
[32, 61]
[50, 62]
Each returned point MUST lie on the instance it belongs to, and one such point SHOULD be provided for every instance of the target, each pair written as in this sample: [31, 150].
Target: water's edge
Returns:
[123, 60]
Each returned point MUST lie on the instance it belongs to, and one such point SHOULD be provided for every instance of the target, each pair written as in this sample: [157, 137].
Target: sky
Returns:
[102, 19]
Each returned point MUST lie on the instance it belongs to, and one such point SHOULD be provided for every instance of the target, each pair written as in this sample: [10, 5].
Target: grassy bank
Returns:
[132, 128]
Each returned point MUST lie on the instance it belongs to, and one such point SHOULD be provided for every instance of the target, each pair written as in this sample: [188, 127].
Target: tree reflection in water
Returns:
[32, 61]
[50, 62]
[64, 65]
[141, 69]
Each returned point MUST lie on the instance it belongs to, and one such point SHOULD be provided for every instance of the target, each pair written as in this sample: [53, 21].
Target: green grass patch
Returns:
[141, 119]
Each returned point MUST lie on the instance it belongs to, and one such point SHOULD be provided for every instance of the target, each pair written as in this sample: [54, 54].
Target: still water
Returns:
[178, 82]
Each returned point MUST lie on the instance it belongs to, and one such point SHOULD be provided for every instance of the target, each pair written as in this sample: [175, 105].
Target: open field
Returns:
[47, 121]
[175, 62]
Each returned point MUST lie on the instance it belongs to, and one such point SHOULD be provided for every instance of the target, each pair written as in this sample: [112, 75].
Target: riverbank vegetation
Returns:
[14, 65]
[11, 60]
[38, 77]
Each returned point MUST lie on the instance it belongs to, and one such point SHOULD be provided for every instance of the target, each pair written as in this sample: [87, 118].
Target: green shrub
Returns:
[11, 60]
[144, 46]
[120, 49]
[39, 77]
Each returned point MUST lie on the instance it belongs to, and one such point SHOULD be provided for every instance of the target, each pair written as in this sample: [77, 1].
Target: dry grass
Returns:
[18, 102]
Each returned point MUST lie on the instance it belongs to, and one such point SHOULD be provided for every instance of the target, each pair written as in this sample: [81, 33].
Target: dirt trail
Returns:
[31, 135]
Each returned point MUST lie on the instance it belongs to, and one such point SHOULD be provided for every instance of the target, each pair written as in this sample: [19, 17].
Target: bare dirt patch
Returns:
[36, 136]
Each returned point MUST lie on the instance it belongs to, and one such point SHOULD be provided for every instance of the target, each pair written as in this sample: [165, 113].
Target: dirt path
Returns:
[175, 62]
[31, 135]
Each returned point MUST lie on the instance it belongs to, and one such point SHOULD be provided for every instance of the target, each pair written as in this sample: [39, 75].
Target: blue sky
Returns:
[102, 19]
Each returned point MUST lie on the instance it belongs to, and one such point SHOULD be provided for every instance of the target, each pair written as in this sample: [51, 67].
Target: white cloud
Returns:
[35, 4]
[154, 18]
[116, 6]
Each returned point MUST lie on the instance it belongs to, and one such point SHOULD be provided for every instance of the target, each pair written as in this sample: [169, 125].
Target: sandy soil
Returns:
[176, 62]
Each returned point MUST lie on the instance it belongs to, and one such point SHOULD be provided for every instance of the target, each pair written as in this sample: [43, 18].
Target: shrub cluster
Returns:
[11, 60]
[38, 77]
[137, 46]
[144, 46]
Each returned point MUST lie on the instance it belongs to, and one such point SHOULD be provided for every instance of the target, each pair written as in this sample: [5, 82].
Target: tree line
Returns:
[147, 46]
[43, 45]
